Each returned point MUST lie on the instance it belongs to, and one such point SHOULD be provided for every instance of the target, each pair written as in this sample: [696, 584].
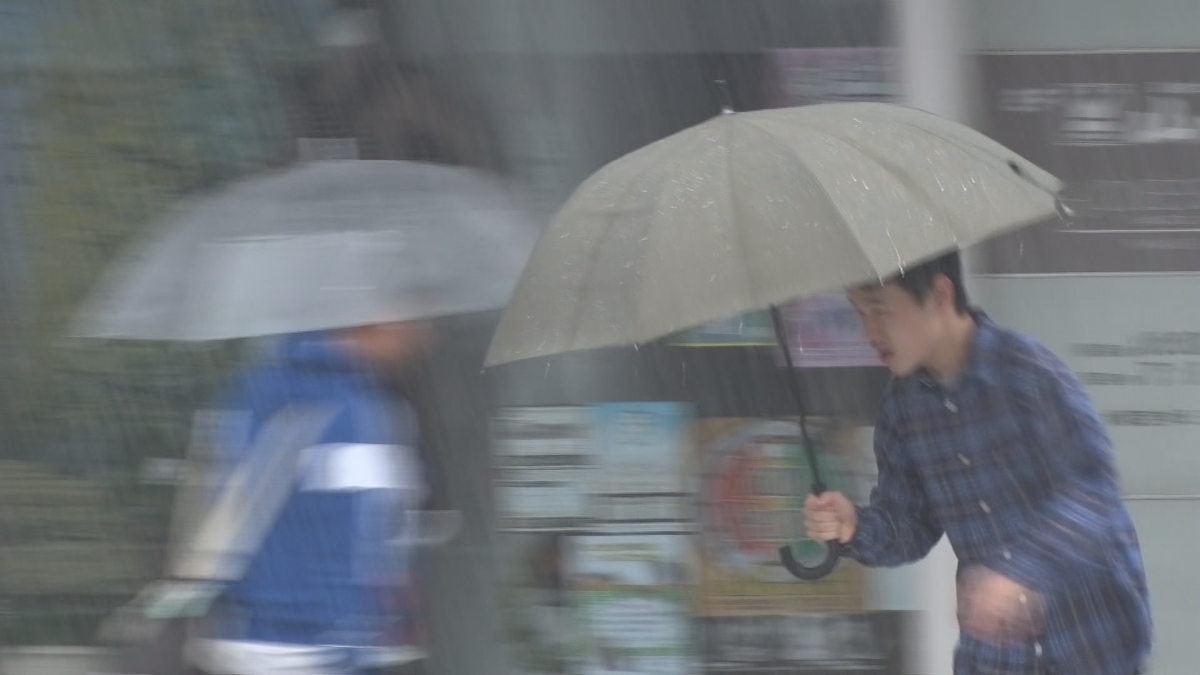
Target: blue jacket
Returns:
[329, 571]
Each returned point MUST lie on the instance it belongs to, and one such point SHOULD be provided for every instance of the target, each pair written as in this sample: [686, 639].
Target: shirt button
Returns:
[964, 459]
[950, 406]
[984, 505]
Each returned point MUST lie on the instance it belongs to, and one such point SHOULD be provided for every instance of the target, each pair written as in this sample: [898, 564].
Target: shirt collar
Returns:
[981, 364]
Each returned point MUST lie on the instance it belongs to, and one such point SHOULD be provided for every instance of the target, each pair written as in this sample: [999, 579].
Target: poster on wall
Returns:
[754, 329]
[634, 594]
[643, 447]
[537, 619]
[564, 475]
[620, 467]
[543, 460]
[755, 617]
[752, 486]
[643, 480]
[824, 331]
[867, 643]
[665, 558]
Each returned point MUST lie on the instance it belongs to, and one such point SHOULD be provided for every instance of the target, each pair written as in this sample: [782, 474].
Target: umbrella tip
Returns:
[724, 98]
[1065, 212]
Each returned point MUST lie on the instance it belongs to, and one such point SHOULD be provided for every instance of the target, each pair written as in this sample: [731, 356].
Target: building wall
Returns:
[1019, 25]
[624, 27]
[1161, 479]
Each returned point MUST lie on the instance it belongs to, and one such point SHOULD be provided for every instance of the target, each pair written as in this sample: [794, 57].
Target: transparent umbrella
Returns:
[323, 245]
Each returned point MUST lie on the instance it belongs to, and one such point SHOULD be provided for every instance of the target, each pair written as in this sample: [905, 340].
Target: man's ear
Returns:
[943, 291]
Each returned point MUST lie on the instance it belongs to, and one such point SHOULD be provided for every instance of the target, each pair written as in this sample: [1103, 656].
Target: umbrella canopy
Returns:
[751, 209]
[323, 245]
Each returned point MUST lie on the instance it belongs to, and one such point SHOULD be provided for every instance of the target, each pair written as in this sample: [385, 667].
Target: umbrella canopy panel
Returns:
[752, 209]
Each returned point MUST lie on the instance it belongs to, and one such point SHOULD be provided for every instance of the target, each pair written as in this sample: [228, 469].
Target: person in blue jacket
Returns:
[326, 590]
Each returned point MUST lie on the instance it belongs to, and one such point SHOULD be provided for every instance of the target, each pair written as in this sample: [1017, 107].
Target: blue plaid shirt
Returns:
[1012, 463]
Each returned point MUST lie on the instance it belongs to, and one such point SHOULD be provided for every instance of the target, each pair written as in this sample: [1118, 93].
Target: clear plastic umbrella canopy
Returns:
[327, 244]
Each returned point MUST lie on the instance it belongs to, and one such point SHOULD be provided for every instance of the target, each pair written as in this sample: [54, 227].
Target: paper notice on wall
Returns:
[634, 595]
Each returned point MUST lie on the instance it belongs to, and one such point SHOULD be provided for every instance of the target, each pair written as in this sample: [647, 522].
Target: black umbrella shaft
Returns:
[793, 379]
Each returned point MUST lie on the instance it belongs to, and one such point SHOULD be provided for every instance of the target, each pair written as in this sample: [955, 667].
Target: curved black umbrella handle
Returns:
[834, 548]
[820, 571]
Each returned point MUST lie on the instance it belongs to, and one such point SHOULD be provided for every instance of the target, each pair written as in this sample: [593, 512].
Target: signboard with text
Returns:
[1122, 130]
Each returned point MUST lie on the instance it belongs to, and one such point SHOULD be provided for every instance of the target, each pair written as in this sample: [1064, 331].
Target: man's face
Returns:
[901, 329]
[398, 344]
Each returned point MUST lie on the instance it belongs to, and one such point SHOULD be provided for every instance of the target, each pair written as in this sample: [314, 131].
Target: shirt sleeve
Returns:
[897, 525]
[1069, 535]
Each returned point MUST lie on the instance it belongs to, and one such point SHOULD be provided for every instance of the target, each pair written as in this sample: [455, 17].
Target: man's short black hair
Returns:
[918, 280]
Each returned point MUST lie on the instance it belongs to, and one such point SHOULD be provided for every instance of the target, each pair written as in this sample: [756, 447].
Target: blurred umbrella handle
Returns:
[832, 555]
[820, 571]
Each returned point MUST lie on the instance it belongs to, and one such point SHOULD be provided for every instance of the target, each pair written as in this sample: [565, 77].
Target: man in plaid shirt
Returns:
[985, 436]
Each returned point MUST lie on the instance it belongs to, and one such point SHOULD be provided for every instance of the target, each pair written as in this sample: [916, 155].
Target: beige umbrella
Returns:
[748, 210]
[751, 209]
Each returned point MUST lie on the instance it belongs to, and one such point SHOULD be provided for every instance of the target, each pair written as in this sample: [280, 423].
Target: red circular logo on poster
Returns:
[755, 481]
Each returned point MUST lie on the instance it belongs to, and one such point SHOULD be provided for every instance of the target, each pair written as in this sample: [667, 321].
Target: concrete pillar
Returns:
[935, 41]
[933, 37]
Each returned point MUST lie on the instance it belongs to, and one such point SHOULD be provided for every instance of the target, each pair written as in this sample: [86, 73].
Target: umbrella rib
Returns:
[913, 189]
[898, 175]
[984, 150]
[816, 180]
[731, 219]
[739, 235]
[955, 142]
[598, 249]
[958, 145]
